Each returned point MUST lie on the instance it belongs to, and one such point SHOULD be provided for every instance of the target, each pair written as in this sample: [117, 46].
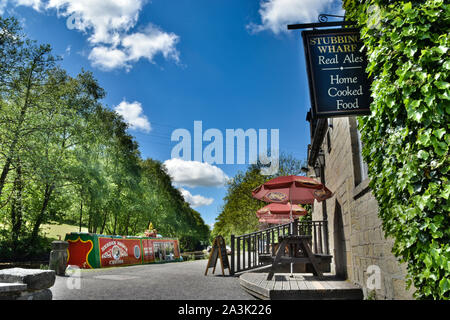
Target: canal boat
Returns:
[90, 251]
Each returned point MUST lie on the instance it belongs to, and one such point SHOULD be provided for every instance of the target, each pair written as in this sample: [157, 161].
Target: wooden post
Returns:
[232, 255]
[315, 237]
[325, 232]
[255, 249]
[238, 251]
[295, 227]
[276, 260]
[320, 238]
[249, 248]
[243, 252]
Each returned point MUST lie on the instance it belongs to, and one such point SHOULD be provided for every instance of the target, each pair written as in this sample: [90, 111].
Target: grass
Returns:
[52, 231]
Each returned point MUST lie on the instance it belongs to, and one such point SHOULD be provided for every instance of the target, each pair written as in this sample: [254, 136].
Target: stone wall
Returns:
[356, 237]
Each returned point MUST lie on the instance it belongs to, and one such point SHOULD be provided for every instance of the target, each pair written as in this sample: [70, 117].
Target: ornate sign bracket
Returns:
[323, 22]
[323, 17]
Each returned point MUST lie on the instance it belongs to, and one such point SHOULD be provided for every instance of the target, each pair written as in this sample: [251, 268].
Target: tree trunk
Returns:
[104, 222]
[16, 208]
[94, 223]
[115, 224]
[4, 174]
[81, 212]
[127, 224]
[17, 133]
[135, 226]
[90, 220]
[48, 191]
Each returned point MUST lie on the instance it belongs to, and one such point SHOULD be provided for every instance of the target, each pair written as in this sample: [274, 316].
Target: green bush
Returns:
[406, 138]
[23, 250]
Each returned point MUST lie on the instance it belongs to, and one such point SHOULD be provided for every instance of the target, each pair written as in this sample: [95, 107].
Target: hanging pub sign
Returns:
[336, 70]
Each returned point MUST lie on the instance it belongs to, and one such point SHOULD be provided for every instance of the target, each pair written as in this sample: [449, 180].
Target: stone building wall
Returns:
[356, 237]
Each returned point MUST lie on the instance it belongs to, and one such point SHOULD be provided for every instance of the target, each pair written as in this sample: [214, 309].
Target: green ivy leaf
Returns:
[442, 85]
[429, 100]
[439, 133]
[446, 193]
[444, 285]
[407, 7]
[446, 65]
[422, 154]
[415, 104]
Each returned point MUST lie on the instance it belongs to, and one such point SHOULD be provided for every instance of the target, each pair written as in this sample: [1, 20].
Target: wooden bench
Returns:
[299, 251]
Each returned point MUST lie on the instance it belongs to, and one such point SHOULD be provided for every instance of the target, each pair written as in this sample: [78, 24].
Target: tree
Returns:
[65, 157]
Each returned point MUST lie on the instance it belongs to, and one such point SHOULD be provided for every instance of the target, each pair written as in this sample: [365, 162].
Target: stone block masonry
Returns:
[355, 232]
[26, 284]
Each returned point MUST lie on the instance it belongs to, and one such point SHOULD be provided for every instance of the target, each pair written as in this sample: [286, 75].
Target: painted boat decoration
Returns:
[89, 250]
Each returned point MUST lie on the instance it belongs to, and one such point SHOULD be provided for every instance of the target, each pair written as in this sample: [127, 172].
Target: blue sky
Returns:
[167, 63]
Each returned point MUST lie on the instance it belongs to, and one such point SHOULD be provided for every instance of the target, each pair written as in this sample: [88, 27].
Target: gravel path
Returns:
[170, 281]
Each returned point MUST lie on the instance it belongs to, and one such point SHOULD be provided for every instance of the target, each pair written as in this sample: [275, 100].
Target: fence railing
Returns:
[247, 249]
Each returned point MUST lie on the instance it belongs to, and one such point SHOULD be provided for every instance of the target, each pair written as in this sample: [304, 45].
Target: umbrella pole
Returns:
[292, 231]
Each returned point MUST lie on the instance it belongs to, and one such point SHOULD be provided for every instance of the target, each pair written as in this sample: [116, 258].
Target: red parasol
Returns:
[292, 190]
[279, 213]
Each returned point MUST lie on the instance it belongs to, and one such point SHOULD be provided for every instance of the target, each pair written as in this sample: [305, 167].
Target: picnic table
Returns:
[299, 251]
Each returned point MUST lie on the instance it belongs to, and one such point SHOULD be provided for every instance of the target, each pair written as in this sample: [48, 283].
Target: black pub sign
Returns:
[336, 70]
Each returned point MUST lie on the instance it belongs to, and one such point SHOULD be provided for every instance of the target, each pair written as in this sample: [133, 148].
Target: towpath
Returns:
[169, 281]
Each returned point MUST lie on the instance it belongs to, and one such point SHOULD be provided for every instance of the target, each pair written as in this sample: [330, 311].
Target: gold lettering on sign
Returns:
[335, 44]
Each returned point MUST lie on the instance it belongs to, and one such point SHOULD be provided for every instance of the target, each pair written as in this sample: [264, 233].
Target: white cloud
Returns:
[197, 200]
[277, 14]
[109, 26]
[133, 115]
[108, 58]
[105, 19]
[133, 47]
[194, 173]
[151, 42]
[3, 4]
[35, 4]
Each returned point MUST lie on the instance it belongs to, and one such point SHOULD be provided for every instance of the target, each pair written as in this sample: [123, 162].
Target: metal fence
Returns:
[247, 249]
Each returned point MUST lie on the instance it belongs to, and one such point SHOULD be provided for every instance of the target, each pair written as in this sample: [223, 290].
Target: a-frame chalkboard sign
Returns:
[218, 250]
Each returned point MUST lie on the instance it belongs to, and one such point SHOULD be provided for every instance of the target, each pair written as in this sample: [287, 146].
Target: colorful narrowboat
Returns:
[89, 251]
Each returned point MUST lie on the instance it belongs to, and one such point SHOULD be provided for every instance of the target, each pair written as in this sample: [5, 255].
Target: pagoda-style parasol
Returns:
[292, 190]
[279, 213]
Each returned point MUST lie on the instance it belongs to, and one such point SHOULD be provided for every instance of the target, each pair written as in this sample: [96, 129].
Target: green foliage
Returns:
[371, 295]
[64, 157]
[406, 138]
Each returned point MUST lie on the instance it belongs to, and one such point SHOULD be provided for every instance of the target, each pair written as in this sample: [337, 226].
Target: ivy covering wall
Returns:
[406, 138]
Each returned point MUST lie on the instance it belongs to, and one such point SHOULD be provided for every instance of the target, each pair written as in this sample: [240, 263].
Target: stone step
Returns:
[35, 279]
[12, 287]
